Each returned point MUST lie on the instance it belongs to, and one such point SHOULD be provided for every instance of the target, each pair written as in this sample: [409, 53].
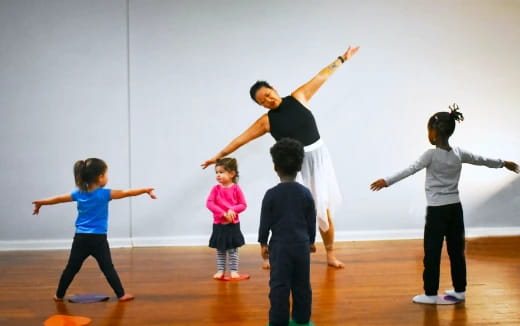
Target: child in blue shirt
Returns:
[91, 224]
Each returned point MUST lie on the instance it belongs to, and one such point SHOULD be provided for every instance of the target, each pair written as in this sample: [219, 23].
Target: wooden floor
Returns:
[173, 286]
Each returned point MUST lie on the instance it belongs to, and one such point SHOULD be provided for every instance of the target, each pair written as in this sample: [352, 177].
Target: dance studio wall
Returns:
[155, 88]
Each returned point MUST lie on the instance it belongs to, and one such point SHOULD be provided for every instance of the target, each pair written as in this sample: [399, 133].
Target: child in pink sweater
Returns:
[226, 201]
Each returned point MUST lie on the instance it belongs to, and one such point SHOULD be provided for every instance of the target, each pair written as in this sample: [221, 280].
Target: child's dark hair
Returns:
[444, 122]
[256, 86]
[229, 164]
[287, 156]
[86, 172]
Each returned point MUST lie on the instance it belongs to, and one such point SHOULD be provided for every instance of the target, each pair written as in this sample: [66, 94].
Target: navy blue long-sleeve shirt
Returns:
[288, 211]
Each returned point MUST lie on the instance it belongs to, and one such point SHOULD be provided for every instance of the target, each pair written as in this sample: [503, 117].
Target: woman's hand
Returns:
[378, 185]
[350, 52]
[208, 162]
[511, 166]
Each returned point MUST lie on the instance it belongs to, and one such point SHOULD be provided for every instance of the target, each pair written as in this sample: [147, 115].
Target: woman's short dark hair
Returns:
[256, 86]
[444, 122]
[287, 156]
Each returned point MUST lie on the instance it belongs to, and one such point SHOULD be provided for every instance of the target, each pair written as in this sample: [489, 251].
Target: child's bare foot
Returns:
[333, 261]
[237, 277]
[218, 275]
[266, 265]
[55, 298]
[126, 297]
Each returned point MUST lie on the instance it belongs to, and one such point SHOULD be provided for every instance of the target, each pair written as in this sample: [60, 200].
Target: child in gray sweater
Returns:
[444, 216]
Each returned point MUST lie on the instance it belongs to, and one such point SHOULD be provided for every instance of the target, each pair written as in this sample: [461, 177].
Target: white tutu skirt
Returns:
[318, 175]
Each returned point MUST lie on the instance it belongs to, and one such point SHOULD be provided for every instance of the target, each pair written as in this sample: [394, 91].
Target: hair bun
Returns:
[455, 114]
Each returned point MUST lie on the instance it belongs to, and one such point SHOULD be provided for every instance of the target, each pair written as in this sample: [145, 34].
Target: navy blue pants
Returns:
[444, 222]
[290, 275]
[85, 245]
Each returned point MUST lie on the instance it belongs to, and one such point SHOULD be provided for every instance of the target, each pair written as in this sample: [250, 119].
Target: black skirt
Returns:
[226, 236]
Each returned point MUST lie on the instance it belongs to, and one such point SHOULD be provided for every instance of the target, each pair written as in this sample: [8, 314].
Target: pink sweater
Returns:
[221, 199]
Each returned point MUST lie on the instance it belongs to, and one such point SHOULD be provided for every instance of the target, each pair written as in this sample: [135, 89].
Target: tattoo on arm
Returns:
[331, 68]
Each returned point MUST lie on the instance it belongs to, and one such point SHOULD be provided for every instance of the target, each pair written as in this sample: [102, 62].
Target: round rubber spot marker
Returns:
[65, 320]
[88, 298]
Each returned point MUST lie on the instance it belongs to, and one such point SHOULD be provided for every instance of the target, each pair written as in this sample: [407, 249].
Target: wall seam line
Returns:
[129, 126]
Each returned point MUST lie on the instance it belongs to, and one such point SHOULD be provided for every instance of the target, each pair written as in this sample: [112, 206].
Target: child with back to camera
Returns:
[288, 212]
[226, 200]
[444, 216]
[90, 238]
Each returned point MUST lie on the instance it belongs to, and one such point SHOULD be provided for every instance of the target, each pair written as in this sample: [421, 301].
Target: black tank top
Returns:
[293, 120]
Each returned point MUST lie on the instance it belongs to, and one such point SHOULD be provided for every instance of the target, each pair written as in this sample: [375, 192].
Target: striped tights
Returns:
[233, 259]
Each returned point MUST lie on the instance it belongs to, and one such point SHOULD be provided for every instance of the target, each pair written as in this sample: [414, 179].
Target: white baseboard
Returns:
[250, 239]
[488, 232]
[178, 241]
[56, 244]
[419, 233]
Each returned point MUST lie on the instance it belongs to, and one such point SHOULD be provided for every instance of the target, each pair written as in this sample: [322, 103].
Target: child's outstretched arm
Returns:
[118, 194]
[511, 166]
[418, 165]
[50, 201]
[475, 159]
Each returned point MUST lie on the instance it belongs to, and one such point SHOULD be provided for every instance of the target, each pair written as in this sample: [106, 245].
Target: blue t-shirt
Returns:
[92, 210]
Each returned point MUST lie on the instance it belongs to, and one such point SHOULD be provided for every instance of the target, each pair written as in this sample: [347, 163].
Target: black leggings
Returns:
[444, 221]
[85, 245]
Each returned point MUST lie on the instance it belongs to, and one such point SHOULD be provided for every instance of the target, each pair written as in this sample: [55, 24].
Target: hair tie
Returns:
[453, 108]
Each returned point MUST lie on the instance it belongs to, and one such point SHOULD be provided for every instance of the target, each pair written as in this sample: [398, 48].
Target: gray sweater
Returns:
[443, 173]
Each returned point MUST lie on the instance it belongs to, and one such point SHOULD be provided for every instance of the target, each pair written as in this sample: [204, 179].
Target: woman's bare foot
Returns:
[218, 275]
[333, 261]
[266, 265]
[126, 297]
[55, 298]
[328, 242]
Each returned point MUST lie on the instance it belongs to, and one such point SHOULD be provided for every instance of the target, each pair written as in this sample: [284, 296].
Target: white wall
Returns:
[155, 88]
[64, 98]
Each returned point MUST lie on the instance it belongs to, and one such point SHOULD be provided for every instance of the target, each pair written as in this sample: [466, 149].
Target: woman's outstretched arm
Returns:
[305, 92]
[257, 129]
